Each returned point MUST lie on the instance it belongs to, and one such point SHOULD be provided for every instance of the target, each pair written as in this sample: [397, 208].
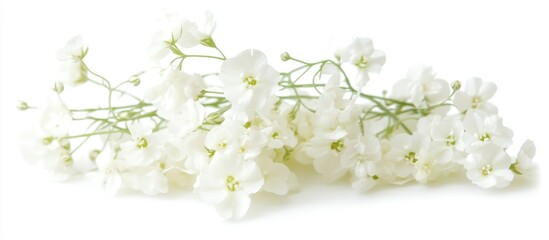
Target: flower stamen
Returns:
[411, 158]
[250, 81]
[142, 142]
[232, 183]
[487, 169]
[362, 63]
[337, 145]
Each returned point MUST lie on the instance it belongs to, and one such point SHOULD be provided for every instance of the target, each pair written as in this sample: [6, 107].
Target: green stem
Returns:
[94, 134]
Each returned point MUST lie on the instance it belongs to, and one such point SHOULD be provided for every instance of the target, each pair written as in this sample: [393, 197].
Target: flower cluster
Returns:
[240, 129]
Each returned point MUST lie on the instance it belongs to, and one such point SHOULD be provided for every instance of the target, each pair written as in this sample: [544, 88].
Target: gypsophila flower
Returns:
[144, 148]
[488, 166]
[364, 58]
[109, 171]
[182, 32]
[421, 86]
[481, 128]
[230, 128]
[71, 70]
[175, 89]
[248, 80]
[523, 162]
[228, 183]
[475, 96]
[407, 151]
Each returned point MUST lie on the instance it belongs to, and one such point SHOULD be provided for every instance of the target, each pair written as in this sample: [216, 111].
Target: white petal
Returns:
[250, 177]
[487, 90]
[234, 205]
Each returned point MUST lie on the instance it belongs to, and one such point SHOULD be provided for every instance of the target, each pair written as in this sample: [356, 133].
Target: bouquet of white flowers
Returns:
[242, 127]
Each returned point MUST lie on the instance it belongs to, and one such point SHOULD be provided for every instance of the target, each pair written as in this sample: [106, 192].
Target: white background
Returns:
[501, 41]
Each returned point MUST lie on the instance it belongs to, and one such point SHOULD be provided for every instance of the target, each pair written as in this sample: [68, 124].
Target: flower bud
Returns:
[94, 153]
[285, 56]
[135, 80]
[58, 87]
[456, 85]
[208, 42]
[215, 118]
[22, 106]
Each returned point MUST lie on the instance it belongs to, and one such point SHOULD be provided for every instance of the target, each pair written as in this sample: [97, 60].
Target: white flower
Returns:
[74, 50]
[46, 143]
[228, 183]
[197, 155]
[326, 150]
[109, 172]
[71, 70]
[225, 137]
[476, 96]
[277, 176]
[52, 153]
[435, 162]
[481, 128]
[364, 155]
[421, 86]
[188, 120]
[145, 146]
[149, 180]
[275, 130]
[248, 82]
[447, 132]
[55, 119]
[182, 32]
[175, 89]
[488, 166]
[524, 158]
[365, 59]
[407, 151]
[194, 32]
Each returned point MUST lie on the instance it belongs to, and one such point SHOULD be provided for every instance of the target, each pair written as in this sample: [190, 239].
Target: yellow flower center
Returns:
[232, 184]
[487, 169]
[476, 102]
[337, 145]
[411, 158]
[250, 81]
[141, 143]
[485, 137]
[362, 63]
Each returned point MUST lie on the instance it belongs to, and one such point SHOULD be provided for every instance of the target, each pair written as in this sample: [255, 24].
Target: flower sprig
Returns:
[238, 129]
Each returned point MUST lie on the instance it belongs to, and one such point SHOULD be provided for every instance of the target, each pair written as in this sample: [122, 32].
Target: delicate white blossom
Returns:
[488, 166]
[109, 171]
[421, 87]
[524, 158]
[228, 183]
[481, 128]
[145, 147]
[248, 81]
[230, 128]
[71, 70]
[475, 96]
[176, 87]
[182, 32]
[364, 58]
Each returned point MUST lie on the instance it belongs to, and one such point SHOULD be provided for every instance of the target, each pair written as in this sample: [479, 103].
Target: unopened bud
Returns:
[215, 118]
[208, 42]
[285, 56]
[135, 80]
[456, 85]
[58, 87]
[94, 153]
[22, 106]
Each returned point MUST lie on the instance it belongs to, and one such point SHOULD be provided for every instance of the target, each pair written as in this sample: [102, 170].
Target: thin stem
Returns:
[94, 134]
